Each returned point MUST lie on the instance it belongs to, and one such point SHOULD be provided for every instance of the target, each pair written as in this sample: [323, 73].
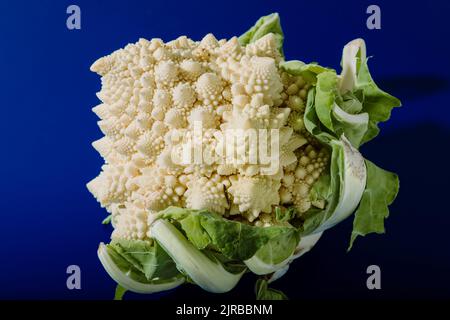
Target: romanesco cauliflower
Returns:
[151, 90]
[222, 157]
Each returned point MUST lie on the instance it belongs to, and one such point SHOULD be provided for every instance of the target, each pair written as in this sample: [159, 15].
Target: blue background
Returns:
[49, 220]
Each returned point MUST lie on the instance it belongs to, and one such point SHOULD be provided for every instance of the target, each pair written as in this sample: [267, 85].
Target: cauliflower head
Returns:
[154, 93]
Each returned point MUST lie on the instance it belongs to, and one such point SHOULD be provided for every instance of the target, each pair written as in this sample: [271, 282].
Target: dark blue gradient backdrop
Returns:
[49, 220]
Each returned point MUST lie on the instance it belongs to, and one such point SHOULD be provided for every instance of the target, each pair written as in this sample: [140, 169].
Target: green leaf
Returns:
[351, 101]
[120, 291]
[381, 189]
[235, 240]
[130, 276]
[310, 119]
[264, 25]
[312, 122]
[353, 126]
[309, 72]
[326, 120]
[197, 234]
[285, 214]
[326, 91]
[276, 252]
[232, 266]
[145, 258]
[107, 220]
[357, 81]
[125, 267]
[278, 249]
[377, 103]
[354, 112]
[263, 292]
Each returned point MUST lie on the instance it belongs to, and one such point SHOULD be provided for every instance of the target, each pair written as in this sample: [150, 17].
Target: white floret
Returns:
[254, 194]
[204, 193]
[130, 222]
